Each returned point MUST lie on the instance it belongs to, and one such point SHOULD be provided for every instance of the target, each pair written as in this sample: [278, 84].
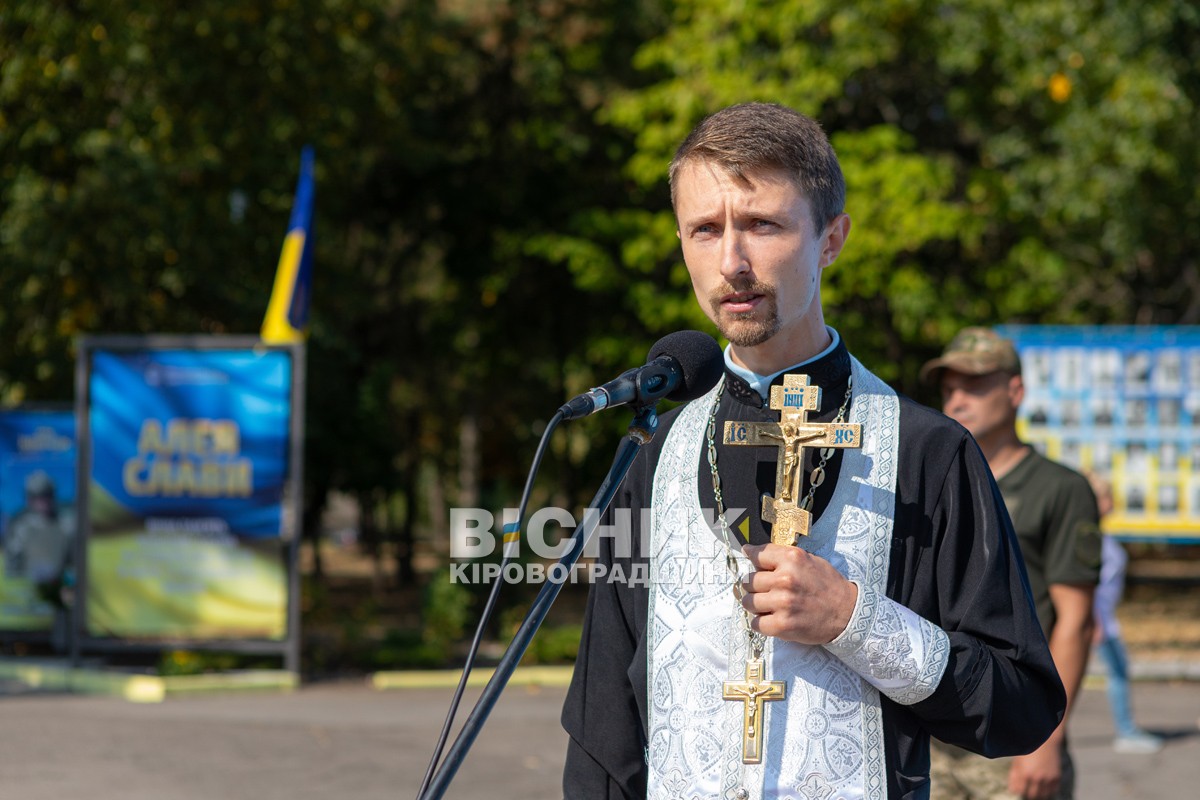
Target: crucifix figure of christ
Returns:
[753, 692]
[794, 399]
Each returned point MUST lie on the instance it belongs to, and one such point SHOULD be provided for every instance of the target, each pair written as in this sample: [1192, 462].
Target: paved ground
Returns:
[349, 741]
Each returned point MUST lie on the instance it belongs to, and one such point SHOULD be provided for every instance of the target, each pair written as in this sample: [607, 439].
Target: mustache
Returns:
[747, 286]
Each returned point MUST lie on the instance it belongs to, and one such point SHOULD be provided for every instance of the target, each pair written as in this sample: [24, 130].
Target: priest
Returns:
[832, 577]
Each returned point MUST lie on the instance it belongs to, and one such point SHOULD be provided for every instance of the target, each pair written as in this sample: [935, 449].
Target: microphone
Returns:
[681, 366]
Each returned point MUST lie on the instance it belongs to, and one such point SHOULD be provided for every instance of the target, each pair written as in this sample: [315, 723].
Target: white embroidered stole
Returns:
[825, 740]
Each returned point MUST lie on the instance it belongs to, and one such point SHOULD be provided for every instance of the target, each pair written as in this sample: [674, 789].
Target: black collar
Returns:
[831, 372]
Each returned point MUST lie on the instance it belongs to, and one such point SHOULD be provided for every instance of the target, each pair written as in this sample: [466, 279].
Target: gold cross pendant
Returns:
[753, 692]
[794, 399]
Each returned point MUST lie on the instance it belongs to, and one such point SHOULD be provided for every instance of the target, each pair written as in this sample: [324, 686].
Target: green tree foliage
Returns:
[493, 227]
[148, 153]
[1005, 161]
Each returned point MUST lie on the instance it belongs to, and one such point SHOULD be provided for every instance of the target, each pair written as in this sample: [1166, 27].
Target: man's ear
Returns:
[836, 233]
[1016, 391]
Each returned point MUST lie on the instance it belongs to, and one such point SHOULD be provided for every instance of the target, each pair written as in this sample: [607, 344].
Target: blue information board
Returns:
[37, 514]
[190, 510]
[198, 435]
[1124, 402]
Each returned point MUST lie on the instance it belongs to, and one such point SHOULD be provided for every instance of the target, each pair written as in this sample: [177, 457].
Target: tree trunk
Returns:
[371, 538]
[468, 461]
[439, 521]
[312, 532]
[406, 540]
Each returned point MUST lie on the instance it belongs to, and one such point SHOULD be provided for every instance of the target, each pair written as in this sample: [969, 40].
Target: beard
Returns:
[746, 328]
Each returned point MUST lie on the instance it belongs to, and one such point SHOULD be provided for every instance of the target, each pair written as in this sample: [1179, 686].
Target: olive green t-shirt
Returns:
[1054, 513]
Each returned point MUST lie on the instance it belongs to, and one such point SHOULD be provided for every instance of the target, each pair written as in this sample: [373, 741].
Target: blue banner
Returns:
[189, 469]
[1124, 402]
[194, 434]
[37, 514]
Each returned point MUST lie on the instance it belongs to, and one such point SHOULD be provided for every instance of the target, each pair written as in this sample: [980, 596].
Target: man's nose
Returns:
[734, 260]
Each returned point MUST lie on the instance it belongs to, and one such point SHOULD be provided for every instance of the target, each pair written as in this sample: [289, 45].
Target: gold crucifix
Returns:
[794, 399]
[753, 692]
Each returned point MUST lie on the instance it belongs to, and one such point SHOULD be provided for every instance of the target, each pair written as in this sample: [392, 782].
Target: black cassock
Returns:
[954, 561]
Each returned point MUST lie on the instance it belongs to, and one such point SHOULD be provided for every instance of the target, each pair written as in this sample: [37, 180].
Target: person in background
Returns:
[1054, 513]
[37, 544]
[1130, 738]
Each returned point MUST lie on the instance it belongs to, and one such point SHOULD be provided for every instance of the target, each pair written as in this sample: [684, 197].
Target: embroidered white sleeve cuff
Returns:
[901, 654]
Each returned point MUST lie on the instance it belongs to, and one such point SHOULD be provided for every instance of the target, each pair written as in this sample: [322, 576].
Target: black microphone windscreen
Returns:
[700, 360]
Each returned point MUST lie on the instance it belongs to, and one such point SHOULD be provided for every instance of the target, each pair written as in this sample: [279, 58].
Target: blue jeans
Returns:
[1112, 650]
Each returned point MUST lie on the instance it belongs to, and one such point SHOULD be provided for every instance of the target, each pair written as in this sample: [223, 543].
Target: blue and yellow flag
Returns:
[287, 313]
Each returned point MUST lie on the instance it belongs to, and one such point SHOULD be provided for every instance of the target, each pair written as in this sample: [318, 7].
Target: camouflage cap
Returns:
[974, 351]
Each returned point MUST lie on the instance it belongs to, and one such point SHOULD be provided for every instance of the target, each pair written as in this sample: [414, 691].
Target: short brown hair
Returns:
[762, 136]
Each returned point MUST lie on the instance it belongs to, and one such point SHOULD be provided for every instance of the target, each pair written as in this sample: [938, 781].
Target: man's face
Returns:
[983, 404]
[754, 257]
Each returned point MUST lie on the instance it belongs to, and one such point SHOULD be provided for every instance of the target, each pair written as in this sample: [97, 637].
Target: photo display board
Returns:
[1124, 402]
[37, 515]
[190, 468]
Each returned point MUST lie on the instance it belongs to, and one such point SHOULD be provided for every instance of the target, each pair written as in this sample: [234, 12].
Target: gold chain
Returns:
[817, 476]
[815, 479]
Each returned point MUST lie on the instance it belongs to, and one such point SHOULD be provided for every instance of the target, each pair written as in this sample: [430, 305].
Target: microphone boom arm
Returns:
[641, 431]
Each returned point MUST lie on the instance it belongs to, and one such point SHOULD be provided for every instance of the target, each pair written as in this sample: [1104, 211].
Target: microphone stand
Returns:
[641, 431]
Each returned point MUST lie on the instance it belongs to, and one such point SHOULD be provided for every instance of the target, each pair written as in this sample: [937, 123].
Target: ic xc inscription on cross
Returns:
[793, 400]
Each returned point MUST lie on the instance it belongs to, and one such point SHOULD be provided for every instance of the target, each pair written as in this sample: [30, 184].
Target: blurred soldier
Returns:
[1055, 516]
[37, 544]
